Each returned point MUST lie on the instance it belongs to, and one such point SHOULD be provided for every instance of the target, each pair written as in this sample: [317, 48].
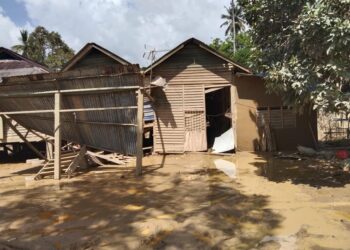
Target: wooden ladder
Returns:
[69, 162]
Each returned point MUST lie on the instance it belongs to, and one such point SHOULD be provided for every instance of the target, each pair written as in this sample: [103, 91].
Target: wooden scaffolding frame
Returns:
[57, 118]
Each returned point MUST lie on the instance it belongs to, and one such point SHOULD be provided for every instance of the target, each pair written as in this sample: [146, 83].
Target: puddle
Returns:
[314, 172]
[228, 168]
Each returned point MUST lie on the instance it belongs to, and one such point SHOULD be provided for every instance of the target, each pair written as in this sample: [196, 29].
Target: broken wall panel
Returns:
[111, 130]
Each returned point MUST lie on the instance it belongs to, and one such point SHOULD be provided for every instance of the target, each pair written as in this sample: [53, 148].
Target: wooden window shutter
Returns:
[276, 117]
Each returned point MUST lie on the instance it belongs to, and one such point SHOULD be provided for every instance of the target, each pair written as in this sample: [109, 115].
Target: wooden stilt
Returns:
[57, 135]
[37, 152]
[139, 140]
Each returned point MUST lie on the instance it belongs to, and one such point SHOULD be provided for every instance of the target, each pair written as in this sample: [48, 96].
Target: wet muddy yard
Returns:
[191, 201]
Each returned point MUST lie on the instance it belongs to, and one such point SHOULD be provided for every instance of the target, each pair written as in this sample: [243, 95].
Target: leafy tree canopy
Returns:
[245, 53]
[44, 47]
[304, 49]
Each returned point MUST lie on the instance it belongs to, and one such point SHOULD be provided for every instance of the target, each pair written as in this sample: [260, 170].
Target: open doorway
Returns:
[218, 112]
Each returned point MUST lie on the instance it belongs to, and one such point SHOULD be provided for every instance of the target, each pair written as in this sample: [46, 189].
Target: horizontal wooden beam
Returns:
[65, 110]
[18, 80]
[70, 91]
[83, 122]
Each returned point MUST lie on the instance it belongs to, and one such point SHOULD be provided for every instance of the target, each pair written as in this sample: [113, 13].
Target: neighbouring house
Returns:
[13, 64]
[93, 55]
[205, 95]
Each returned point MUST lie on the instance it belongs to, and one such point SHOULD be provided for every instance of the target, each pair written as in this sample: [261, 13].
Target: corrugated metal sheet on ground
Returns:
[99, 129]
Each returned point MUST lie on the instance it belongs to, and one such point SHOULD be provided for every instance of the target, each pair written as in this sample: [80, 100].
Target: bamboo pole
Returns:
[57, 135]
[139, 131]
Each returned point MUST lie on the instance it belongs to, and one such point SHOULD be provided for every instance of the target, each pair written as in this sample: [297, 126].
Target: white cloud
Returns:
[125, 26]
[9, 31]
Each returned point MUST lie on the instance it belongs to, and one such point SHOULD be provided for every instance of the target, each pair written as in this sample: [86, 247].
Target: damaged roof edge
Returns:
[203, 46]
[20, 57]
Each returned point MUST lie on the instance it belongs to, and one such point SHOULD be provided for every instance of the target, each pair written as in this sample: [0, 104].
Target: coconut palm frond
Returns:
[17, 48]
[23, 46]
[239, 18]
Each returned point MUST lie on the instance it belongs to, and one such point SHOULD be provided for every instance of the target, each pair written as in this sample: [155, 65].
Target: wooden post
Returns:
[37, 152]
[139, 131]
[49, 149]
[57, 135]
[233, 113]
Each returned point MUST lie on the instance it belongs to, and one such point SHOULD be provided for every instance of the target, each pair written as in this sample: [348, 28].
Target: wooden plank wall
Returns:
[169, 126]
[188, 73]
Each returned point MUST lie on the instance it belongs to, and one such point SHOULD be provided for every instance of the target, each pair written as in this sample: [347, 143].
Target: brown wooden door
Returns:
[195, 131]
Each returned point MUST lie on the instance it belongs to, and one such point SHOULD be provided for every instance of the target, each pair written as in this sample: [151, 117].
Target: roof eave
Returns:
[201, 45]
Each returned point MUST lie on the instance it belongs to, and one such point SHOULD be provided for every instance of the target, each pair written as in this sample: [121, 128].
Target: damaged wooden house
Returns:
[12, 134]
[205, 101]
[95, 101]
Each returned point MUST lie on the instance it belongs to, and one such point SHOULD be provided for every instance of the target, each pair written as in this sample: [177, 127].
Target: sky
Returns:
[122, 26]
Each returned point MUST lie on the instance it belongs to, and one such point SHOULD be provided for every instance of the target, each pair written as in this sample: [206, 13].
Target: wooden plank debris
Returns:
[78, 160]
[48, 168]
[114, 158]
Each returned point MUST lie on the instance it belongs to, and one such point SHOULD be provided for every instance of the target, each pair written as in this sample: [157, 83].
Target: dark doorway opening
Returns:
[218, 112]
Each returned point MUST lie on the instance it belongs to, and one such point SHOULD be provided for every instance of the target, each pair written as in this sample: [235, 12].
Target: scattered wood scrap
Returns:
[78, 160]
[293, 156]
[48, 169]
[114, 158]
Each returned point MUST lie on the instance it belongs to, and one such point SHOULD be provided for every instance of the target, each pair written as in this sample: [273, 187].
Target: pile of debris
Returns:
[340, 157]
[101, 157]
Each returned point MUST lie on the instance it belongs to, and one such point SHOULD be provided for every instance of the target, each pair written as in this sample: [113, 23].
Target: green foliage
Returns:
[45, 47]
[23, 46]
[304, 49]
[245, 53]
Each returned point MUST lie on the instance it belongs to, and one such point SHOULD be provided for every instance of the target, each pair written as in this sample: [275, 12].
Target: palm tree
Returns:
[23, 47]
[234, 20]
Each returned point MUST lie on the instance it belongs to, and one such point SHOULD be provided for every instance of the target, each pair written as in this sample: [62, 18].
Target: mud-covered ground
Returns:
[181, 202]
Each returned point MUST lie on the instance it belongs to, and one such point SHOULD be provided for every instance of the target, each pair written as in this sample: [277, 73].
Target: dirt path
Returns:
[181, 202]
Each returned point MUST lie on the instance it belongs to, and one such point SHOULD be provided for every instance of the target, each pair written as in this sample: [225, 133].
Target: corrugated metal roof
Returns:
[6, 54]
[111, 130]
[14, 64]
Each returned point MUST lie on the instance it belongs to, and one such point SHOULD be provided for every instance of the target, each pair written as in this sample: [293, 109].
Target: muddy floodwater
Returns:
[191, 201]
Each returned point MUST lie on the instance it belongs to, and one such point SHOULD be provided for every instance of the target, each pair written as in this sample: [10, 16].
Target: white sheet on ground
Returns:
[227, 167]
[224, 142]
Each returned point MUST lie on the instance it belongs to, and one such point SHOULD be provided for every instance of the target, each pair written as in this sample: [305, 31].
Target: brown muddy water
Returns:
[191, 201]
